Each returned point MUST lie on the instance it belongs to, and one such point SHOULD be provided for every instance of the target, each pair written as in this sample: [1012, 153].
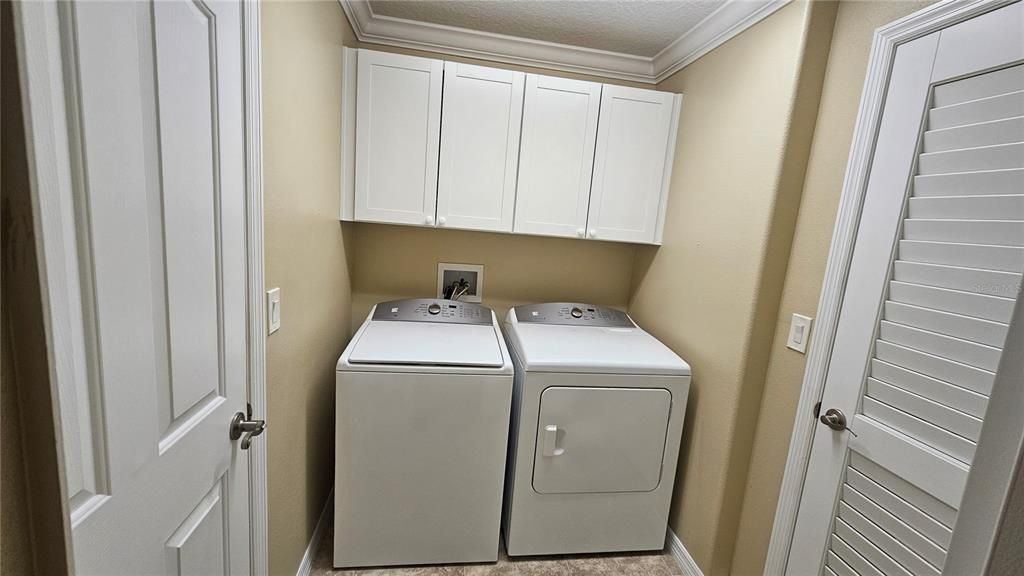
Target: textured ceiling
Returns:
[638, 27]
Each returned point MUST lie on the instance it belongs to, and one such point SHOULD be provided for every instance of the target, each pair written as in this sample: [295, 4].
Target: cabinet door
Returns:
[632, 164]
[556, 155]
[480, 126]
[398, 125]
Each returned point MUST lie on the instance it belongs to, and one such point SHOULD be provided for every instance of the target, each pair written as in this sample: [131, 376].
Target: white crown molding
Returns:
[728, 21]
[733, 17]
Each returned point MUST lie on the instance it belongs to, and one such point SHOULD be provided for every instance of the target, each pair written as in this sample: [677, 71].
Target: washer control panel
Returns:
[432, 310]
[572, 314]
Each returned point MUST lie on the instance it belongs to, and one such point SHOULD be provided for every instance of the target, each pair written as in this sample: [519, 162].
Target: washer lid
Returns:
[427, 343]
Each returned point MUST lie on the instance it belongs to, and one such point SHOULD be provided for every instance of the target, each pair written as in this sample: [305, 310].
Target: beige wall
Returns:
[401, 262]
[710, 291]
[308, 255]
[840, 98]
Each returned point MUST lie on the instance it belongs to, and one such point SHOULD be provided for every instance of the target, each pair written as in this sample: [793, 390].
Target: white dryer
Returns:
[597, 415]
[423, 400]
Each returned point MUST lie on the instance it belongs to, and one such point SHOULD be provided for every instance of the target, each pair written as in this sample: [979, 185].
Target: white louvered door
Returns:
[933, 279]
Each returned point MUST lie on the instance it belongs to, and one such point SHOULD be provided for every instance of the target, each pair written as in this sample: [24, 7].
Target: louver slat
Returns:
[955, 301]
[984, 182]
[944, 393]
[999, 157]
[950, 324]
[974, 135]
[980, 110]
[997, 82]
[999, 258]
[928, 526]
[910, 537]
[921, 407]
[980, 207]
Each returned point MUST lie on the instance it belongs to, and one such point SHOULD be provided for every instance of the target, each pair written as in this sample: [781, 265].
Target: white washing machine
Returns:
[597, 415]
[423, 398]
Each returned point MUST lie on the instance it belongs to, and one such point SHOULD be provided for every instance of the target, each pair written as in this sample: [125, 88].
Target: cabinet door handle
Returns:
[581, 232]
[550, 445]
[593, 233]
[429, 220]
[441, 221]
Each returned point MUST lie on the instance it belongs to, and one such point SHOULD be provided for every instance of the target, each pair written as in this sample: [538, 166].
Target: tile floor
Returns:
[637, 564]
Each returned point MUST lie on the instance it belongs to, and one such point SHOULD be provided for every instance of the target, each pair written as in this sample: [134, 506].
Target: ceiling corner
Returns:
[732, 18]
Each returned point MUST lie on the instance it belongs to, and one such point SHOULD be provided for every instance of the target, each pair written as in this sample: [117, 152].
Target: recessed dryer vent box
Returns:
[473, 274]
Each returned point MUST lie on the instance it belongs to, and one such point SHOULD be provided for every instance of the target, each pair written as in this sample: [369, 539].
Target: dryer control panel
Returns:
[432, 310]
[572, 314]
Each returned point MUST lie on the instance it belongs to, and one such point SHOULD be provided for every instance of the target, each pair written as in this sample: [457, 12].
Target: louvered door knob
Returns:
[836, 420]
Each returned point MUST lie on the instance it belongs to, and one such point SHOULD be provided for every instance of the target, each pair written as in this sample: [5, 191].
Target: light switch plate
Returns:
[273, 310]
[799, 333]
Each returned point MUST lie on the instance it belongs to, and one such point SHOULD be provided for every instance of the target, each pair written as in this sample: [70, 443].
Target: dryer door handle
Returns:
[549, 444]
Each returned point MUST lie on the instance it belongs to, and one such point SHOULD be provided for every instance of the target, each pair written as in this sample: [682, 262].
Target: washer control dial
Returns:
[434, 308]
[576, 312]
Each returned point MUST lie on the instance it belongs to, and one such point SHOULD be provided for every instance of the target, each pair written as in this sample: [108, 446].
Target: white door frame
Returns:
[256, 333]
[883, 53]
[48, 154]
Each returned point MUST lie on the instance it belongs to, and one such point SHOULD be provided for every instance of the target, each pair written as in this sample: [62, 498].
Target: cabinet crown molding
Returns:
[732, 18]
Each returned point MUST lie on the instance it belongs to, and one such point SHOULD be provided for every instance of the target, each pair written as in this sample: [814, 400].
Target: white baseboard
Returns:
[682, 557]
[307, 559]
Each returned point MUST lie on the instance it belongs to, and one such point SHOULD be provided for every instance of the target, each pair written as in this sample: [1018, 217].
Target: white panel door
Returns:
[150, 345]
[934, 275]
[398, 127]
[480, 127]
[556, 156]
[632, 164]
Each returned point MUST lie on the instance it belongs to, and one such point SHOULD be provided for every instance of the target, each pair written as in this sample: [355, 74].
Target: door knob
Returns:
[246, 428]
[836, 420]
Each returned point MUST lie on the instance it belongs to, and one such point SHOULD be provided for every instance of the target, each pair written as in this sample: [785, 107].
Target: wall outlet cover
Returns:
[448, 273]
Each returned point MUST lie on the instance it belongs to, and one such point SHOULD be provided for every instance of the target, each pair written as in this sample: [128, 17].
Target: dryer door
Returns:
[600, 439]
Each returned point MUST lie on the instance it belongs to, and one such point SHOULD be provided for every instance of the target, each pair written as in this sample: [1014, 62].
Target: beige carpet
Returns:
[638, 564]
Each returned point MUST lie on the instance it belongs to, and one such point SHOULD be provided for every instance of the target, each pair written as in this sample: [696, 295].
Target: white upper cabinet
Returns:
[633, 164]
[557, 155]
[507, 151]
[480, 122]
[398, 126]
